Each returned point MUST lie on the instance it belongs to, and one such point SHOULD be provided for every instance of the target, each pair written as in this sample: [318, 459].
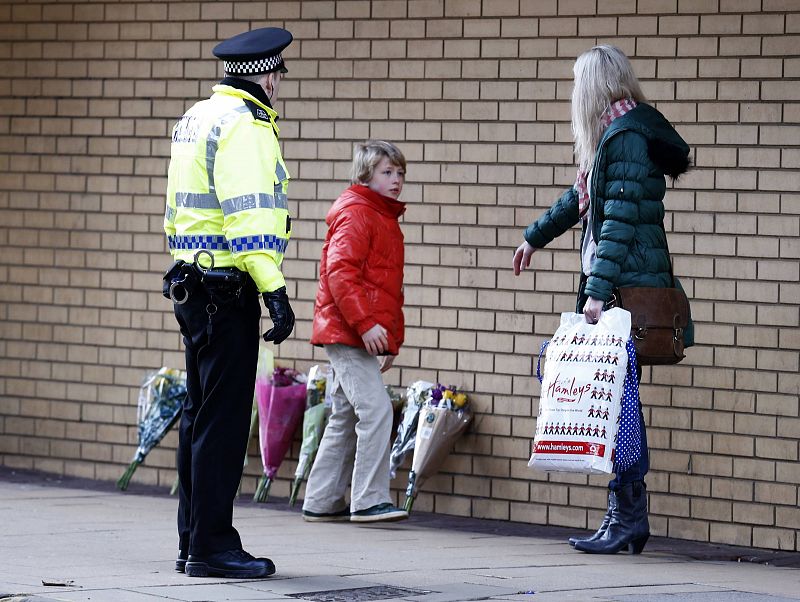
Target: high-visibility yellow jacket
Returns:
[227, 185]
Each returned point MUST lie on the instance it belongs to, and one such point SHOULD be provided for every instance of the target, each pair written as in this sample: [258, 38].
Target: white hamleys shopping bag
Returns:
[581, 396]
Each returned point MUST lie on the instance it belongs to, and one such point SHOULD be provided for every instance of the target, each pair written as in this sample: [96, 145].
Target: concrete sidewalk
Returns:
[94, 543]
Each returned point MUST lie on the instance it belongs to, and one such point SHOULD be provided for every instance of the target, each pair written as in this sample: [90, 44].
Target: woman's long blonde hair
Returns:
[603, 75]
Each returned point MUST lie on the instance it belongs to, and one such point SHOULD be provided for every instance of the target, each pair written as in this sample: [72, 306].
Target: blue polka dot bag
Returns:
[630, 435]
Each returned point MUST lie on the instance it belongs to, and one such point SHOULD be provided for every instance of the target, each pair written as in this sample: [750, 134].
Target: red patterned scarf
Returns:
[618, 109]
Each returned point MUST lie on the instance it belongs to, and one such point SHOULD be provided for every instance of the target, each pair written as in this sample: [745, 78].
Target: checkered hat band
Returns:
[253, 67]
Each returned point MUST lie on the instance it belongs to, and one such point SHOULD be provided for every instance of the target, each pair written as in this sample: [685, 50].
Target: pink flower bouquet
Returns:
[281, 402]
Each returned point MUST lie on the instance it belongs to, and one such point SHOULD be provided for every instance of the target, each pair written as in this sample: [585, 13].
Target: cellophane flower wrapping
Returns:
[264, 370]
[407, 429]
[281, 403]
[443, 418]
[160, 402]
[315, 418]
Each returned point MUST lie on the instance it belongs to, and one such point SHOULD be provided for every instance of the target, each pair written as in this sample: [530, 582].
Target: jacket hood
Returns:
[664, 145]
[363, 195]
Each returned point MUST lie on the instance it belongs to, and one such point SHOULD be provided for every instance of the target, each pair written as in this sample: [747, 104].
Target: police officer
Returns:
[227, 224]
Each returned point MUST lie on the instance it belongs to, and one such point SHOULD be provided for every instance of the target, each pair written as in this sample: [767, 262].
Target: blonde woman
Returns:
[624, 149]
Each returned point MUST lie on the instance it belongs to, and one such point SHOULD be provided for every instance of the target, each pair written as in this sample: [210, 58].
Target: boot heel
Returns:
[637, 545]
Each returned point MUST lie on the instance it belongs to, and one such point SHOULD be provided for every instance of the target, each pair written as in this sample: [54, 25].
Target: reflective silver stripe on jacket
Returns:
[212, 141]
[259, 200]
[281, 200]
[196, 200]
[280, 197]
[280, 172]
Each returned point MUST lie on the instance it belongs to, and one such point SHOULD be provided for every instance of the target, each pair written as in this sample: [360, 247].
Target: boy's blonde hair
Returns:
[603, 75]
[368, 154]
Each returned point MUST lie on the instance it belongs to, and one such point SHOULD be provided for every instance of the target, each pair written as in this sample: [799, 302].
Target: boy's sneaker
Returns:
[326, 517]
[381, 513]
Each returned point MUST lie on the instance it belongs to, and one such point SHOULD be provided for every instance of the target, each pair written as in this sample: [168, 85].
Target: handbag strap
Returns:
[615, 302]
[669, 255]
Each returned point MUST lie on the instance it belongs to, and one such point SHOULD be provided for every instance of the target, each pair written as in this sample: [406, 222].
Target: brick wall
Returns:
[477, 95]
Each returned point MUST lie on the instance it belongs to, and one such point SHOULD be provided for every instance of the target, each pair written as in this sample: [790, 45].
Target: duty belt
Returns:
[182, 277]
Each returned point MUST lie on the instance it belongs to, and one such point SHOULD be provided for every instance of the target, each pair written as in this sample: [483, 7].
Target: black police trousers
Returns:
[220, 330]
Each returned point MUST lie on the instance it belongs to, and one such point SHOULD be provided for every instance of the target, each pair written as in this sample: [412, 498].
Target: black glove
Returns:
[281, 314]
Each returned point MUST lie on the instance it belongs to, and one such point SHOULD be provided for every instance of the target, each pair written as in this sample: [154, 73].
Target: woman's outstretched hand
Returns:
[522, 257]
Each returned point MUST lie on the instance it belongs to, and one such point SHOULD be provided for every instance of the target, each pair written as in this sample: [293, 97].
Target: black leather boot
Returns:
[628, 527]
[612, 504]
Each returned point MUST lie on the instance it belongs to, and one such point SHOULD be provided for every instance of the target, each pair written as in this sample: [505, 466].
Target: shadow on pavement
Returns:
[663, 545]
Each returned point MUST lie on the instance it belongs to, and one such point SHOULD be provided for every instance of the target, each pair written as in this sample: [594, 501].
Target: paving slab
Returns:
[108, 546]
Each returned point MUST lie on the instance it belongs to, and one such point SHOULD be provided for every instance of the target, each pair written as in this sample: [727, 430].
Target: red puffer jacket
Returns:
[361, 271]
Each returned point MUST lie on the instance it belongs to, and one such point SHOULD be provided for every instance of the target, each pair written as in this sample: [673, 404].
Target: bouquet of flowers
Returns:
[407, 428]
[281, 402]
[318, 408]
[160, 401]
[443, 418]
[447, 397]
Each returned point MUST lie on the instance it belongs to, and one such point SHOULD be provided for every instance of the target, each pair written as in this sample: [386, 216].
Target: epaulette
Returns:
[258, 112]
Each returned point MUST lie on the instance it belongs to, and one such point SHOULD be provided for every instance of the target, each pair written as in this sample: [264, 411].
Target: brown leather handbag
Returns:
[659, 317]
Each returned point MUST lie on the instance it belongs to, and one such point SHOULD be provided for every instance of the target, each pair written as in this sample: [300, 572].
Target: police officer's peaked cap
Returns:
[254, 52]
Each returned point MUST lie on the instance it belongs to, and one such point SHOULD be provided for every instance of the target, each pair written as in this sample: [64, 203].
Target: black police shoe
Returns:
[180, 562]
[231, 564]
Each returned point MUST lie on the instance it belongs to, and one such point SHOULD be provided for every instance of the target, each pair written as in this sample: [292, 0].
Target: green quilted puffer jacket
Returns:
[628, 185]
